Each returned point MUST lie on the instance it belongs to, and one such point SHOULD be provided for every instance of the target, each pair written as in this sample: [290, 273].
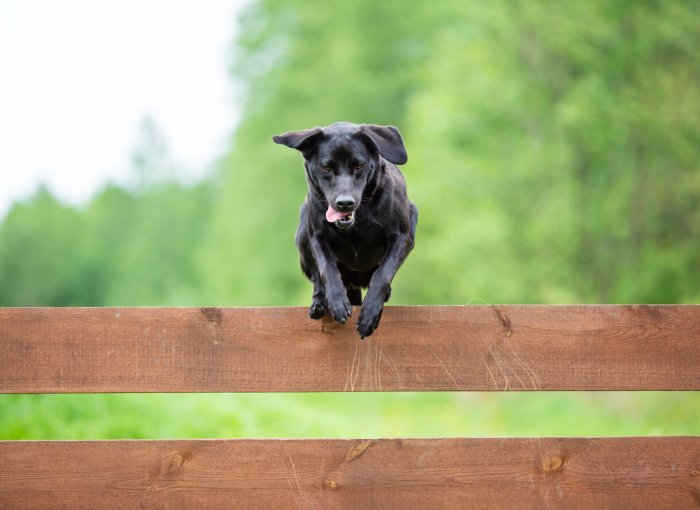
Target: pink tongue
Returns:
[332, 215]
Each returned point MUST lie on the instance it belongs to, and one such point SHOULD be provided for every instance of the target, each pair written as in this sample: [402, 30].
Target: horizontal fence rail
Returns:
[483, 348]
[497, 473]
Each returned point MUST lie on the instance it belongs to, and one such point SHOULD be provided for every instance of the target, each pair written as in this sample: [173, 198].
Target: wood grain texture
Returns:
[505, 347]
[498, 473]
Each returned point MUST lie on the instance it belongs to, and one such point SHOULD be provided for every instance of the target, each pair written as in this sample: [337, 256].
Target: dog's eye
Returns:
[326, 167]
[359, 167]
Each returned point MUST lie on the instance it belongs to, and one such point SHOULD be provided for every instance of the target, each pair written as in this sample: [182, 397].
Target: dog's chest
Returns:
[360, 252]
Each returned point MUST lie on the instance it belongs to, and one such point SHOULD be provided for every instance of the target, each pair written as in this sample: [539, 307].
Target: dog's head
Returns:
[341, 159]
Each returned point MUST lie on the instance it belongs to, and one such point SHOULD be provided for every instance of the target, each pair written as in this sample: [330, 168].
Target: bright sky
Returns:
[78, 76]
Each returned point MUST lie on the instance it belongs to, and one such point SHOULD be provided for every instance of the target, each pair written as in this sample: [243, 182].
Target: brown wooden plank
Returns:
[522, 473]
[505, 347]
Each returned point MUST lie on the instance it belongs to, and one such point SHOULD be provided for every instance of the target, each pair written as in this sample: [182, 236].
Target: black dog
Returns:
[356, 225]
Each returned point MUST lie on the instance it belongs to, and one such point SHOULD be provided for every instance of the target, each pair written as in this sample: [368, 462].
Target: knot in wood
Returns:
[330, 484]
[171, 463]
[358, 450]
[212, 314]
[552, 464]
[505, 321]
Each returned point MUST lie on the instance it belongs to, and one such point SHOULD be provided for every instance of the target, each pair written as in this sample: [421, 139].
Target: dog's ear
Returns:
[303, 141]
[387, 140]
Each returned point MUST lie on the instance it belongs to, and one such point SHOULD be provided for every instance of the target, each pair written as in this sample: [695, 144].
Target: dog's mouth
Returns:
[346, 221]
[341, 219]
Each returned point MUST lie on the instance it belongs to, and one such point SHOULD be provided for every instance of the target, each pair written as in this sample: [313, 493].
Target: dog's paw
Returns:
[317, 309]
[339, 307]
[369, 317]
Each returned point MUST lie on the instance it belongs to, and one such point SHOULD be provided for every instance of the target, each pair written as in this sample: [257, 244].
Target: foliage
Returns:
[558, 171]
[343, 415]
[553, 149]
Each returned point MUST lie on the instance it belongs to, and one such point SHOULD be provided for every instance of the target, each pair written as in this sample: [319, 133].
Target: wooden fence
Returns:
[463, 348]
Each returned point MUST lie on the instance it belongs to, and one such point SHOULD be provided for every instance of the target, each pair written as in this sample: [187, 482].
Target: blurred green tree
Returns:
[566, 138]
[42, 255]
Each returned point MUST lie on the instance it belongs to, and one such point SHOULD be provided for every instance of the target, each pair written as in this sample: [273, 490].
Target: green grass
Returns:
[351, 415]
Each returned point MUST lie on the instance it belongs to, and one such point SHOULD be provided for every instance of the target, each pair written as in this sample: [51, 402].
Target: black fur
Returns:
[360, 177]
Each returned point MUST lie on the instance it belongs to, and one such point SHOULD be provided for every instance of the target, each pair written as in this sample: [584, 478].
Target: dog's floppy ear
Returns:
[300, 140]
[387, 140]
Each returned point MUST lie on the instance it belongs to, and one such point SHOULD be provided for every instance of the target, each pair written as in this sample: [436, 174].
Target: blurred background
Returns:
[554, 154]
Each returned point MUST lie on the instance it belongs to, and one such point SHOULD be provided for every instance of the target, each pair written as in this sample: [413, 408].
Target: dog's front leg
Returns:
[373, 306]
[337, 300]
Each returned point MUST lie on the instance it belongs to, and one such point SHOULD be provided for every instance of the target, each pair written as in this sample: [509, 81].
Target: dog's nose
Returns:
[344, 203]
